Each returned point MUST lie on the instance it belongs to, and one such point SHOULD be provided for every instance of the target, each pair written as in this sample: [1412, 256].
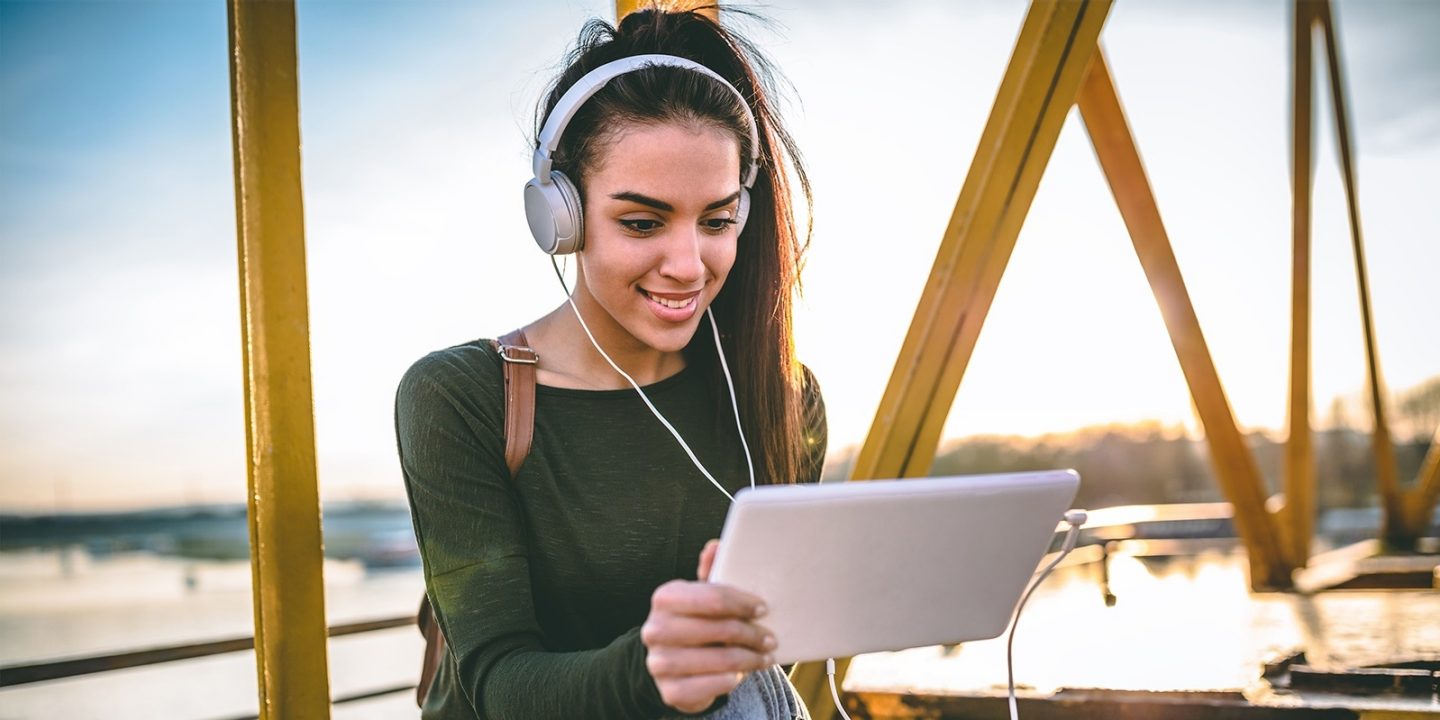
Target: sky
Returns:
[119, 314]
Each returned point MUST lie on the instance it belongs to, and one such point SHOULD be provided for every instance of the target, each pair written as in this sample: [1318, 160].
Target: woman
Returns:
[575, 588]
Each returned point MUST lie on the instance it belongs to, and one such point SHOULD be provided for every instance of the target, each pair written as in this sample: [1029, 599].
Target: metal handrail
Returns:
[350, 698]
[12, 675]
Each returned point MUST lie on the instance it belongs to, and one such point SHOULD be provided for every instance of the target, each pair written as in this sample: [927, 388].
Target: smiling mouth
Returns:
[674, 301]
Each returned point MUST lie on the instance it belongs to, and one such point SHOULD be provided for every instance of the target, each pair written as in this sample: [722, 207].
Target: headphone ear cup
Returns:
[554, 214]
[742, 211]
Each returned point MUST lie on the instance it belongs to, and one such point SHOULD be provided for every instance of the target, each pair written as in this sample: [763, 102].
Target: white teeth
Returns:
[672, 304]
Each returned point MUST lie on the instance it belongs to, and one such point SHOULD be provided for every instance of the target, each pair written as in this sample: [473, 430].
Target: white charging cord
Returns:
[1074, 518]
[834, 693]
[730, 384]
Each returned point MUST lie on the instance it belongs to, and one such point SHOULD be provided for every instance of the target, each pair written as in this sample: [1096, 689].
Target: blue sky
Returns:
[119, 337]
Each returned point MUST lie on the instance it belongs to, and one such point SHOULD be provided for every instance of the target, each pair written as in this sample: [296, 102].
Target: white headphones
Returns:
[552, 202]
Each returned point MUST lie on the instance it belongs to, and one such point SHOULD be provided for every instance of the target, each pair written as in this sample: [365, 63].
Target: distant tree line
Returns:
[1148, 463]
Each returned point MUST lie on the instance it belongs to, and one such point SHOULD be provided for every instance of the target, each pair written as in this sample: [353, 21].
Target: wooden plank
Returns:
[284, 508]
[1235, 467]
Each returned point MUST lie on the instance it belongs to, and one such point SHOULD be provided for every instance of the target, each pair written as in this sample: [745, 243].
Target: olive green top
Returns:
[540, 583]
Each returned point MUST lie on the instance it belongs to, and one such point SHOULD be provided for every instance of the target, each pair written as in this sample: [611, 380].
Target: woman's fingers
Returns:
[696, 692]
[685, 661]
[707, 560]
[685, 631]
[707, 600]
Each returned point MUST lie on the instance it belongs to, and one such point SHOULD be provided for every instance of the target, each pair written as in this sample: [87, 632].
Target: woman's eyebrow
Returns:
[667, 207]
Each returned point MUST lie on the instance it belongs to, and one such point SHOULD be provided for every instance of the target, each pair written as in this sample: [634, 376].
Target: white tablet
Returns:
[858, 567]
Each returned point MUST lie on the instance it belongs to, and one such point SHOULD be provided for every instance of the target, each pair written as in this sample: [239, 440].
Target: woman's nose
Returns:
[683, 260]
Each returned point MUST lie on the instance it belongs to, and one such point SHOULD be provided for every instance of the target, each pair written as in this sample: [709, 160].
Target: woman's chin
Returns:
[668, 339]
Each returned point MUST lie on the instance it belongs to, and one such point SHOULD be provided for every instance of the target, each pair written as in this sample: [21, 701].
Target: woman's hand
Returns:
[702, 639]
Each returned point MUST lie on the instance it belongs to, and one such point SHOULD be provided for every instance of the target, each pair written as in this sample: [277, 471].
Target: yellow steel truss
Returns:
[1014, 149]
[1056, 64]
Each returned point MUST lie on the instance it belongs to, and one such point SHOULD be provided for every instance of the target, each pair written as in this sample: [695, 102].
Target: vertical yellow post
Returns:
[1387, 475]
[285, 542]
[1299, 510]
[1235, 467]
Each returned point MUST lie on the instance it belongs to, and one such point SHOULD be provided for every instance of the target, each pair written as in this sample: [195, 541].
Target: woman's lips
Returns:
[671, 307]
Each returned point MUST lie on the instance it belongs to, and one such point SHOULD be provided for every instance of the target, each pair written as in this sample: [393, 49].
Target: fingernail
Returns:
[769, 642]
[760, 610]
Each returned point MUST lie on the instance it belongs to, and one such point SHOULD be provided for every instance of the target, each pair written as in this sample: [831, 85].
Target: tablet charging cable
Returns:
[1073, 518]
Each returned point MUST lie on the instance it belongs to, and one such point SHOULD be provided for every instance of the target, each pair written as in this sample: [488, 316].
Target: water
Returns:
[1187, 623]
[1183, 624]
[61, 603]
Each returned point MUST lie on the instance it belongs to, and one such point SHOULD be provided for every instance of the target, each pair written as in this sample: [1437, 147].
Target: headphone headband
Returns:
[591, 83]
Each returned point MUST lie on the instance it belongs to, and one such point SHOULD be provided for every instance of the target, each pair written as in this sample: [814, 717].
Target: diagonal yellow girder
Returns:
[1055, 44]
[1235, 466]
[1037, 92]
[284, 508]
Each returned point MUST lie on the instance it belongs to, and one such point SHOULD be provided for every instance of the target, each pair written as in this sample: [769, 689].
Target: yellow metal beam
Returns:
[1420, 502]
[1387, 475]
[1234, 465]
[625, 7]
[1038, 89]
[1055, 43]
[285, 542]
[1299, 510]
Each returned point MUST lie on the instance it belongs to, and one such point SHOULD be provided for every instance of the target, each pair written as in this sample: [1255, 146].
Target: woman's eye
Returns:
[641, 225]
[718, 225]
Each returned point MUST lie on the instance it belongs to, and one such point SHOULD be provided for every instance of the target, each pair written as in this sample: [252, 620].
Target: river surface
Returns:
[1182, 624]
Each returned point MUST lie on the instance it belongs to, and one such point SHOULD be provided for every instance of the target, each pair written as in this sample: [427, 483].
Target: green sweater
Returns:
[540, 583]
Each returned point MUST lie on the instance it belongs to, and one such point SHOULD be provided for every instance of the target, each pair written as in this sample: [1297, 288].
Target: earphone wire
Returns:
[673, 432]
[734, 403]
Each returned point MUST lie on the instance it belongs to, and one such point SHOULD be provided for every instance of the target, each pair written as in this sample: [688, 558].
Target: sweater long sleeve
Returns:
[540, 582]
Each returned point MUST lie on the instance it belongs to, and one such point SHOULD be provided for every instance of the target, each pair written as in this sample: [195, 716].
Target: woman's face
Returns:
[660, 202]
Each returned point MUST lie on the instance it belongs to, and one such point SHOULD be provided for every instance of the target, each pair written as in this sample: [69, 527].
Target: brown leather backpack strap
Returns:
[434, 649]
[519, 360]
[519, 364]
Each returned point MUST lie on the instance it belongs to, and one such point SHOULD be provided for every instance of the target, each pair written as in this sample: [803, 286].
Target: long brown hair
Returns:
[754, 309]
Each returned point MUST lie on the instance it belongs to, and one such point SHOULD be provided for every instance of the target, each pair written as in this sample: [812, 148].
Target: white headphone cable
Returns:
[734, 404]
[729, 383]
